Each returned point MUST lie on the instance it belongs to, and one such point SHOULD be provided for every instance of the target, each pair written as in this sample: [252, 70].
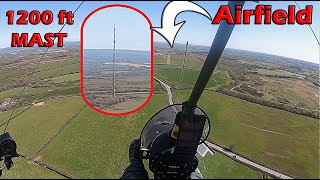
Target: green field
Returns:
[50, 65]
[18, 73]
[16, 91]
[9, 74]
[36, 126]
[5, 115]
[91, 137]
[173, 77]
[90, 129]
[288, 143]
[69, 77]
[105, 140]
[58, 81]
[69, 69]
[177, 60]
[171, 73]
[24, 169]
[220, 167]
[279, 139]
[97, 138]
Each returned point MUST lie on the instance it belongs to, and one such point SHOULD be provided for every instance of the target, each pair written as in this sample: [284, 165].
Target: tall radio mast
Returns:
[114, 57]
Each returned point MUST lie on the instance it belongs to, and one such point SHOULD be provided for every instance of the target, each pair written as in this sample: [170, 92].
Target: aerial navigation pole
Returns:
[114, 57]
[219, 43]
[182, 70]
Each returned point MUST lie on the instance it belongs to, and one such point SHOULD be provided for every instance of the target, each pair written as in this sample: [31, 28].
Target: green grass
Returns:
[62, 91]
[48, 65]
[73, 68]
[69, 77]
[16, 91]
[33, 129]
[173, 77]
[178, 60]
[104, 140]
[6, 114]
[96, 145]
[24, 169]
[296, 152]
[287, 153]
[219, 166]
[8, 75]
[92, 137]
[33, 95]
[36, 126]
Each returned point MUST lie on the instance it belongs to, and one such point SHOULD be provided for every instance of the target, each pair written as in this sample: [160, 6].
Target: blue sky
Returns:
[287, 40]
[102, 37]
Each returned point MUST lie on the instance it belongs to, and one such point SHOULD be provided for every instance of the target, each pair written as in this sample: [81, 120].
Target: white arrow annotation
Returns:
[169, 29]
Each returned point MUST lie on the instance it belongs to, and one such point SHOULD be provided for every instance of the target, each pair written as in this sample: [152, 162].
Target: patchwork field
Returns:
[36, 126]
[89, 136]
[63, 132]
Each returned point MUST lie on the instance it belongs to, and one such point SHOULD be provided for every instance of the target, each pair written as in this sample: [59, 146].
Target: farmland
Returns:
[225, 128]
[278, 139]
[86, 130]
[16, 66]
[111, 145]
[279, 135]
[66, 134]
[280, 80]
[36, 126]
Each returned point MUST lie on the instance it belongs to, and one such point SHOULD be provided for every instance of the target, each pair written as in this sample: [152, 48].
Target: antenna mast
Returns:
[182, 70]
[114, 57]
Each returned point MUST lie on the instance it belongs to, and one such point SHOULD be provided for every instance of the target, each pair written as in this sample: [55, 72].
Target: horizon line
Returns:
[305, 60]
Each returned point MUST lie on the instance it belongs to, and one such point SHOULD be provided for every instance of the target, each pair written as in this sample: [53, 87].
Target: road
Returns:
[167, 89]
[242, 160]
[247, 162]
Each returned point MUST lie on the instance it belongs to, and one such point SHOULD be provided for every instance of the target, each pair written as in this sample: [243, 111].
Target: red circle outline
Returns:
[81, 61]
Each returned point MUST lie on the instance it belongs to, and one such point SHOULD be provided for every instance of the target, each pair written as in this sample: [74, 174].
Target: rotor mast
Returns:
[218, 45]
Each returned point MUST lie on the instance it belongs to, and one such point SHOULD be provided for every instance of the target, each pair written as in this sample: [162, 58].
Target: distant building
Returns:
[39, 104]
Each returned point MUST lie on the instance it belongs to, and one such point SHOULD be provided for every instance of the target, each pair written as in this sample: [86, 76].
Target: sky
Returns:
[102, 37]
[296, 41]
